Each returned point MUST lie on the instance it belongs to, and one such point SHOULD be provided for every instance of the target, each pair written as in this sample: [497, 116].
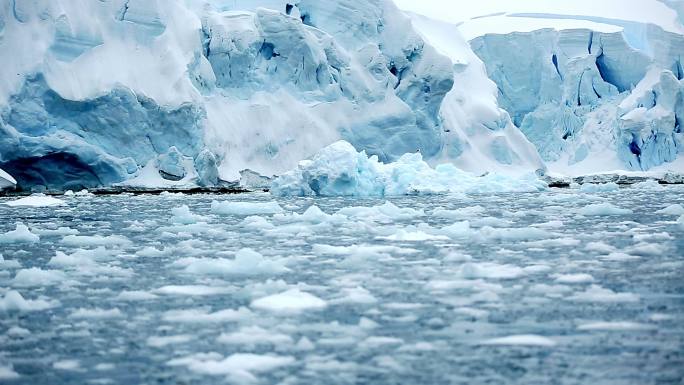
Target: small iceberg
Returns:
[36, 200]
[6, 180]
[339, 170]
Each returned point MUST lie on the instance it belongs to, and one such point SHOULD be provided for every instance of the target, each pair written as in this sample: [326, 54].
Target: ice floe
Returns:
[37, 200]
[601, 209]
[291, 301]
[245, 208]
[21, 234]
[521, 340]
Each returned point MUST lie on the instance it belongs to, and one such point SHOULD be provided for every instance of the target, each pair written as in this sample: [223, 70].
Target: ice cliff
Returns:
[111, 89]
[590, 100]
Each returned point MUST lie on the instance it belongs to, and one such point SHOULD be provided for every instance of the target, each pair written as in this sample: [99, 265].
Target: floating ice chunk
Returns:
[7, 373]
[402, 235]
[599, 247]
[313, 215]
[18, 332]
[9, 264]
[603, 209]
[599, 188]
[182, 215]
[675, 210]
[239, 367]
[615, 326]
[514, 234]
[96, 313]
[619, 257]
[521, 340]
[199, 316]
[339, 170]
[355, 295]
[387, 211]
[378, 342]
[458, 230]
[36, 200]
[490, 270]
[95, 240]
[67, 365]
[21, 234]
[35, 277]
[192, 290]
[650, 184]
[255, 336]
[247, 262]
[150, 252]
[245, 208]
[574, 278]
[648, 249]
[14, 301]
[164, 341]
[134, 296]
[460, 214]
[680, 222]
[256, 223]
[291, 301]
[597, 293]
[79, 258]
[61, 231]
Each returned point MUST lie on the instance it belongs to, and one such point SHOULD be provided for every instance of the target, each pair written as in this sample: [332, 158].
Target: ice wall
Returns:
[111, 88]
[573, 94]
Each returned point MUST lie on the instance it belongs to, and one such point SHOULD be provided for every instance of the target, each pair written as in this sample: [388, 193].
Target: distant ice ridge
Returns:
[339, 170]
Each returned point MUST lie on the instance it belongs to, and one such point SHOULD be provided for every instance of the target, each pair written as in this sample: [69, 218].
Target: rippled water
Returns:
[529, 291]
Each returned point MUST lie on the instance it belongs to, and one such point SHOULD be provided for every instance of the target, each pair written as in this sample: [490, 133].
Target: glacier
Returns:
[579, 95]
[183, 93]
[114, 91]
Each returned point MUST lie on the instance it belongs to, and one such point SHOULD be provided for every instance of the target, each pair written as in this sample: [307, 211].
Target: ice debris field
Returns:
[575, 286]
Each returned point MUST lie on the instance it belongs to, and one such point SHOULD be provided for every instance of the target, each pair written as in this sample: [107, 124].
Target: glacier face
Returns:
[184, 92]
[112, 88]
[588, 99]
